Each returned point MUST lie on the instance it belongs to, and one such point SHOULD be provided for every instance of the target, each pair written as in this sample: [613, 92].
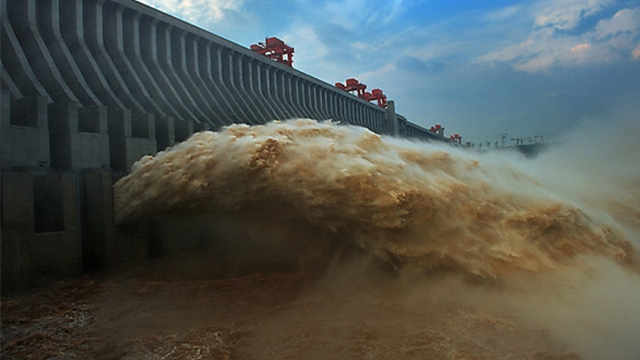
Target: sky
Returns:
[480, 68]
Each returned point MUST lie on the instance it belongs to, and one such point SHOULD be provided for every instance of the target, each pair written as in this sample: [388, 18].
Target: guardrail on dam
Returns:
[89, 86]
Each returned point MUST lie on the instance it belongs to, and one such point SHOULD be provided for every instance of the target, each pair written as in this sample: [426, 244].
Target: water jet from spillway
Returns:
[407, 203]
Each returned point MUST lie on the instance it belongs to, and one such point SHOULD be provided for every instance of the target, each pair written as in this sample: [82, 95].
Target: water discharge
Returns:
[495, 256]
[404, 202]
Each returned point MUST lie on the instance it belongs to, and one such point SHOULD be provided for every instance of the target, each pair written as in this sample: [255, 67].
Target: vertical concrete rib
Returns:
[265, 80]
[22, 16]
[327, 97]
[226, 61]
[310, 98]
[271, 88]
[325, 102]
[15, 61]
[290, 93]
[240, 72]
[179, 62]
[194, 56]
[315, 98]
[301, 98]
[125, 54]
[152, 54]
[297, 98]
[374, 119]
[367, 117]
[340, 107]
[287, 93]
[255, 87]
[94, 38]
[166, 56]
[345, 106]
[279, 88]
[50, 21]
[332, 106]
[317, 95]
[7, 82]
[352, 112]
[211, 80]
[322, 106]
[73, 34]
[363, 115]
[215, 66]
[306, 99]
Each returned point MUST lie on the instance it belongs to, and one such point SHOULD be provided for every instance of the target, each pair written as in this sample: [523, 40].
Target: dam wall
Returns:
[99, 83]
[87, 87]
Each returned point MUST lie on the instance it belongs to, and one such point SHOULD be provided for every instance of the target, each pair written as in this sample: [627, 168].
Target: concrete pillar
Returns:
[165, 132]
[98, 249]
[390, 119]
[183, 129]
[56, 245]
[78, 136]
[131, 136]
[17, 230]
[24, 132]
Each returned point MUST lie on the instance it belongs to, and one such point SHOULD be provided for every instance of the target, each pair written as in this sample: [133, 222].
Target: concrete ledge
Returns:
[131, 135]
[24, 133]
[78, 136]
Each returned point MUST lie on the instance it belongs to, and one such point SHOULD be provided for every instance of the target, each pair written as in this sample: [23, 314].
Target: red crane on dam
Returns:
[276, 50]
[360, 91]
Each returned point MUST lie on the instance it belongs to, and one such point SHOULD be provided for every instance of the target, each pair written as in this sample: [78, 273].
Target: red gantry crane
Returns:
[360, 91]
[276, 50]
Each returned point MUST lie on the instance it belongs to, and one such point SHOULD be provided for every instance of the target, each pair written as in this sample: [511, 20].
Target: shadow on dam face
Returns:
[215, 246]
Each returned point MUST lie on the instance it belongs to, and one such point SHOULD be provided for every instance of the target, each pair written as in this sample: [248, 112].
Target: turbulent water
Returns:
[405, 202]
[490, 248]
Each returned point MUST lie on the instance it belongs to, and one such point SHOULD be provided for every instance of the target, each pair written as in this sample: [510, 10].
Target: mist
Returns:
[546, 244]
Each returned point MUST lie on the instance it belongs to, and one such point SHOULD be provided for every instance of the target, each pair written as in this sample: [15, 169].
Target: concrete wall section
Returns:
[24, 132]
[78, 136]
[17, 229]
[128, 56]
[40, 229]
[56, 248]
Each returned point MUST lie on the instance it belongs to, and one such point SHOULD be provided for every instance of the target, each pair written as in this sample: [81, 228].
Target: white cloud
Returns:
[567, 14]
[544, 47]
[580, 48]
[625, 20]
[502, 14]
[352, 14]
[310, 51]
[376, 74]
[200, 12]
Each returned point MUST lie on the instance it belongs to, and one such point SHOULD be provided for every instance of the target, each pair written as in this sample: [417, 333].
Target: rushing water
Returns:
[568, 219]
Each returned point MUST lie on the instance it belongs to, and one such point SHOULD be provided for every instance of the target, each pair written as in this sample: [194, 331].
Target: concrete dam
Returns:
[90, 86]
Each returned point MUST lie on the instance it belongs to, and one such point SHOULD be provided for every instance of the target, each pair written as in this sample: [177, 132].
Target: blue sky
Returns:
[477, 67]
